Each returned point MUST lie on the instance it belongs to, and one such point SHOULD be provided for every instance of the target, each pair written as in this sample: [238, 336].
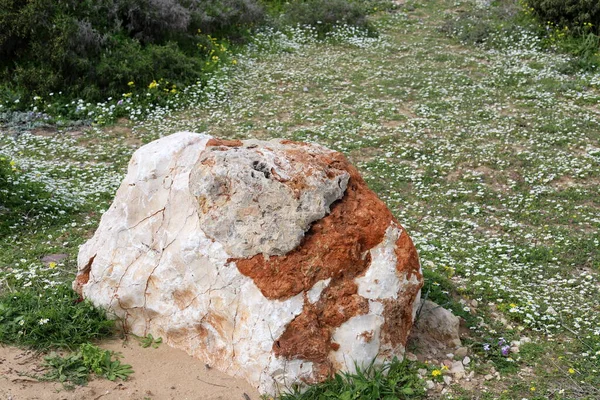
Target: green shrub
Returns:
[92, 49]
[570, 13]
[325, 14]
[571, 26]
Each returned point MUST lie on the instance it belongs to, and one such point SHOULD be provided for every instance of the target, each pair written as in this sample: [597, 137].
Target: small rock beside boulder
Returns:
[437, 328]
[269, 260]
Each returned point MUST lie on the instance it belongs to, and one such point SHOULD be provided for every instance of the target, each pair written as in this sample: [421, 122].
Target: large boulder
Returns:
[269, 260]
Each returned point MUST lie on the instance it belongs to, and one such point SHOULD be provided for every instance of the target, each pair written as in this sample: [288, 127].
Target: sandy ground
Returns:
[161, 373]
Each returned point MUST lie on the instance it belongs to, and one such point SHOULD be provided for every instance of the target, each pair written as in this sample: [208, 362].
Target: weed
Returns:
[149, 340]
[76, 368]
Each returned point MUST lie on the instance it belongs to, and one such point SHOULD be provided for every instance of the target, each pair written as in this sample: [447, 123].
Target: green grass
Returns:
[50, 318]
[396, 380]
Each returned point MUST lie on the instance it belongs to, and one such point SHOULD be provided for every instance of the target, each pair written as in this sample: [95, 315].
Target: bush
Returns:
[571, 26]
[325, 14]
[92, 49]
[569, 13]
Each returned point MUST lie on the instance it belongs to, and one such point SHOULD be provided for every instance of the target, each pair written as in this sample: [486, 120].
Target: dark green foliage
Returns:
[92, 49]
[50, 318]
[396, 380]
[570, 13]
[485, 26]
[324, 14]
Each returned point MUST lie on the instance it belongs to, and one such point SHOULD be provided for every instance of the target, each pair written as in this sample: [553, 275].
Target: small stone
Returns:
[53, 258]
[474, 303]
[411, 357]
[447, 363]
[422, 371]
[450, 356]
[488, 377]
[436, 327]
[458, 370]
[466, 360]
[514, 349]
[447, 379]
[429, 385]
[461, 352]
[550, 310]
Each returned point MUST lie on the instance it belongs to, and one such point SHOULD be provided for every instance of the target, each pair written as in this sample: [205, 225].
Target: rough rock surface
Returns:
[272, 261]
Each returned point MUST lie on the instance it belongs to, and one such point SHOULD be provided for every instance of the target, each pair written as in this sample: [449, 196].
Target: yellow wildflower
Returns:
[571, 371]
[153, 85]
[52, 265]
[436, 372]
[130, 83]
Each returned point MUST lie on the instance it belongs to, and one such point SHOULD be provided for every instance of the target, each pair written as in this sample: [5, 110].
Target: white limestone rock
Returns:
[233, 250]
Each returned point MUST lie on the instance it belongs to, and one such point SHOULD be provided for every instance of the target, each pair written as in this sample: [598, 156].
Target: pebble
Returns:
[447, 379]
[461, 352]
[466, 360]
[458, 370]
[429, 385]
[411, 357]
[488, 377]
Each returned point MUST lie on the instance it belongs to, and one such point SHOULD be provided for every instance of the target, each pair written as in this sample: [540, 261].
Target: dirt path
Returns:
[162, 373]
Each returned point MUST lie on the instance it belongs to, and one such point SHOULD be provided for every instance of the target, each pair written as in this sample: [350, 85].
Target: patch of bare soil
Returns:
[161, 373]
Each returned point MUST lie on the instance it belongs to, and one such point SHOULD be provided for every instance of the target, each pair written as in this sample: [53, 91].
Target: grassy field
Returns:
[488, 153]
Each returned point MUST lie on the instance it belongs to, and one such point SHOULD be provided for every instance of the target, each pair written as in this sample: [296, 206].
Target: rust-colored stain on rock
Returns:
[184, 297]
[308, 336]
[407, 257]
[214, 142]
[336, 247]
[83, 276]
